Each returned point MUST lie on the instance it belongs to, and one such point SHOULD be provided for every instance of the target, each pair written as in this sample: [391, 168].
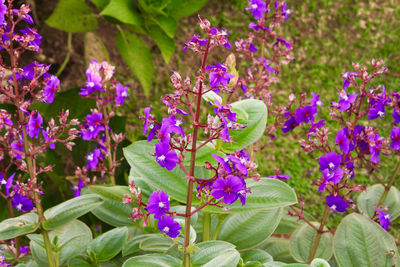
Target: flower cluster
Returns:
[109, 95]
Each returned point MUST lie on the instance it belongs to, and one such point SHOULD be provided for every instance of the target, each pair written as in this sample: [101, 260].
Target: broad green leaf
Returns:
[167, 24]
[153, 260]
[192, 234]
[369, 199]
[21, 225]
[124, 11]
[80, 261]
[133, 244]
[248, 229]
[319, 263]
[165, 43]
[359, 241]
[302, 242]
[69, 210]
[256, 255]
[100, 4]
[187, 8]
[94, 48]
[215, 253]
[153, 8]
[278, 248]
[137, 56]
[109, 244]
[255, 125]
[73, 16]
[114, 213]
[144, 165]
[274, 264]
[112, 192]
[265, 194]
[289, 223]
[156, 244]
[73, 239]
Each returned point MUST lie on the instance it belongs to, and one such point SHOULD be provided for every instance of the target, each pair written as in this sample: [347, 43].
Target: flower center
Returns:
[161, 158]
[90, 157]
[333, 207]
[381, 114]
[331, 165]
[166, 229]
[161, 205]
[90, 84]
[19, 206]
[227, 189]
[387, 216]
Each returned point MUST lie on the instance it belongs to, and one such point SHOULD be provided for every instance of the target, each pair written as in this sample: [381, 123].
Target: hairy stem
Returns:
[389, 185]
[108, 146]
[193, 160]
[12, 215]
[319, 234]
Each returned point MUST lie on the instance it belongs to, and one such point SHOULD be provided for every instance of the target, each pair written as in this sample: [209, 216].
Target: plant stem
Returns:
[319, 234]
[206, 226]
[108, 146]
[189, 195]
[16, 241]
[389, 185]
[219, 223]
[67, 56]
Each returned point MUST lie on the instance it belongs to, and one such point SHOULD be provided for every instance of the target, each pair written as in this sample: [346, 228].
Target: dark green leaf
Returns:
[167, 24]
[215, 253]
[21, 225]
[153, 260]
[109, 244]
[100, 4]
[165, 43]
[124, 11]
[73, 16]
[137, 56]
[187, 8]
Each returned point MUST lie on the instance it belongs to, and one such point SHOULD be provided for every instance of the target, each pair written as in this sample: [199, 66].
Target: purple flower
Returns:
[257, 27]
[342, 141]
[34, 125]
[384, 219]
[336, 203]
[94, 125]
[305, 114]
[18, 146]
[289, 124]
[315, 126]
[48, 139]
[346, 100]
[7, 183]
[285, 12]
[24, 250]
[3, 10]
[228, 188]
[146, 119]
[279, 176]
[93, 82]
[377, 111]
[252, 48]
[158, 204]
[34, 39]
[93, 159]
[169, 226]
[170, 125]
[375, 147]
[347, 76]
[219, 75]
[224, 112]
[77, 188]
[330, 161]
[257, 8]
[165, 157]
[238, 164]
[50, 89]
[21, 203]
[282, 41]
[122, 93]
[266, 65]
[335, 177]
[395, 136]
[396, 116]
[195, 40]
[224, 163]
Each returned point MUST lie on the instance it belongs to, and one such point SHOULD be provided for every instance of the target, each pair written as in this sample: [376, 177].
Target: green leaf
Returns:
[167, 24]
[215, 253]
[289, 223]
[187, 8]
[256, 255]
[248, 229]
[21, 225]
[112, 192]
[255, 125]
[109, 244]
[319, 263]
[359, 241]
[73, 239]
[144, 165]
[133, 244]
[156, 244]
[73, 16]
[211, 96]
[278, 248]
[137, 56]
[100, 4]
[153, 260]
[80, 261]
[302, 242]
[124, 11]
[369, 199]
[94, 48]
[265, 194]
[114, 213]
[69, 210]
[165, 43]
